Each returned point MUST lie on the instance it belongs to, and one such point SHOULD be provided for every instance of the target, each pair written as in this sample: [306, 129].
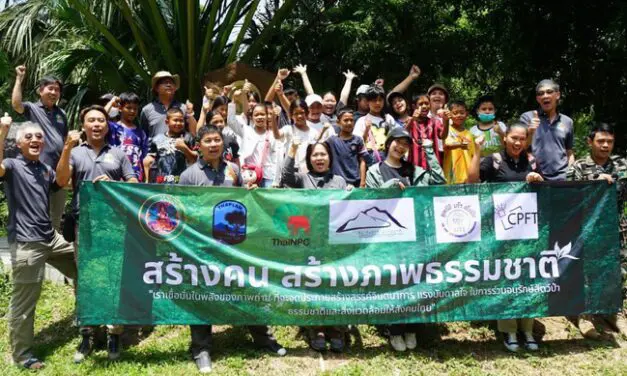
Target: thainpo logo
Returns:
[457, 219]
[515, 216]
[293, 226]
[372, 221]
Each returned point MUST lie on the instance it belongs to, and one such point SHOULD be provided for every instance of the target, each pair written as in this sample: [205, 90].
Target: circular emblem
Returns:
[459, 220]
[161, 217]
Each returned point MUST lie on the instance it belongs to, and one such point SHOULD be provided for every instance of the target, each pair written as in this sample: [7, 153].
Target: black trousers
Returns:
[201, 337]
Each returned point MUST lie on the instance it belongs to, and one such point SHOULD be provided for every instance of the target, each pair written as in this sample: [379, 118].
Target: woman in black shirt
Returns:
[513, 163]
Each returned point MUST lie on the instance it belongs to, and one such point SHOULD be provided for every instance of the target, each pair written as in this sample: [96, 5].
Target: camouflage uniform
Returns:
[587, 169]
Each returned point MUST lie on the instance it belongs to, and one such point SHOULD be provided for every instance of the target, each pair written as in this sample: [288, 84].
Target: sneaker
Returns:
[203, 362]
[318, 342]
[276, 348]
[113, 346]
[337, 345]
[587, 329]
[530, 342]
[511, 342]
[618, 323]
[84, 349]
[398, 343]
[410, 340]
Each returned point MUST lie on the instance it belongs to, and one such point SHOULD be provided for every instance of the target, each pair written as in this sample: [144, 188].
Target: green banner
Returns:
[167, 254]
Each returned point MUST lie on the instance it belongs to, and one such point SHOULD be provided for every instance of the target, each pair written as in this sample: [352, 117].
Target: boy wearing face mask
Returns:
[491, 129]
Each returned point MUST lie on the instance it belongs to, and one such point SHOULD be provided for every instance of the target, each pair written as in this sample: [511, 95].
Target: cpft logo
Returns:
[515, 216]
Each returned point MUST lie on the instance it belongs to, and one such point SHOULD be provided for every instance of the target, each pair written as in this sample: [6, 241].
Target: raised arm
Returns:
[289, 175]
[16, 96]
[413, 75]
[475, 163]
[302, 70]
[434, 175]
[111, 103]
[5, 124]
[346, 89]
[231, 120]
[64, 168]
[281, 75]
[192, 124]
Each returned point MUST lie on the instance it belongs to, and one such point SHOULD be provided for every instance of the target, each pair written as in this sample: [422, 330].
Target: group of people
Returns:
[385, 140]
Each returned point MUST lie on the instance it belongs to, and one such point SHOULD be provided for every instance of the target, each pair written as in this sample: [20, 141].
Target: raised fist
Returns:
[283, 73]
[414, 72]
[5, 122]
[73, 138]
[247, 88]
[20, 70]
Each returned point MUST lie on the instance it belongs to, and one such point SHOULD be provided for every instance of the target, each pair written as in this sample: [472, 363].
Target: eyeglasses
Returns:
[29, 136]
[542, 92]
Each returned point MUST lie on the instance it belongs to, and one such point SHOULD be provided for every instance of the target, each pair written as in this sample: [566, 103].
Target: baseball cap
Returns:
[395, 134]
[313, 98]
[361, 90]
[393, 95]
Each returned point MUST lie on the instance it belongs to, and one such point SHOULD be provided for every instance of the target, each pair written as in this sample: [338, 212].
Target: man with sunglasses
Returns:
[33, 241]
[551, 133]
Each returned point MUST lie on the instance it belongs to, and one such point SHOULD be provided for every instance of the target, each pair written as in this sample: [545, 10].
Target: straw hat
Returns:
[165, 74]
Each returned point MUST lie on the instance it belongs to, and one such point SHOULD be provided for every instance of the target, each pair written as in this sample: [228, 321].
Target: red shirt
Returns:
[430, 129]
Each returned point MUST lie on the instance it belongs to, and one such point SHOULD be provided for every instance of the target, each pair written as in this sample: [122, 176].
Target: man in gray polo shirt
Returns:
[552, 133]
[33, 242]
[95, 161]
[152, 116]
[53, 121]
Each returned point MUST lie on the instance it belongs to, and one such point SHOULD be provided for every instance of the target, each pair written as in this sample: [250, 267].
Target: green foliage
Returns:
[105, 46]
[474, 47]
[5, 290]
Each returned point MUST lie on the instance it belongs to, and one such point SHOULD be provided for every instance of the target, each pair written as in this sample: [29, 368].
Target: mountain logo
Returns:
[370, 219]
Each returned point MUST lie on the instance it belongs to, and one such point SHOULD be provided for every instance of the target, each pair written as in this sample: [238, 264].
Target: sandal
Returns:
[33, 363]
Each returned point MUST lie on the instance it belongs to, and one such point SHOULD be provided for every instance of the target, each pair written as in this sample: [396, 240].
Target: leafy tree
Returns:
[116, 45]
[237, 219]
[501, 47]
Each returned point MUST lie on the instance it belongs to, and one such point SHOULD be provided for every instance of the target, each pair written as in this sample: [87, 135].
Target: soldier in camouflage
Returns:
[600, 164]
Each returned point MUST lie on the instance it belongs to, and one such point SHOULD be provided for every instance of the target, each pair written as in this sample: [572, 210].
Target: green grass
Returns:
[455, 349]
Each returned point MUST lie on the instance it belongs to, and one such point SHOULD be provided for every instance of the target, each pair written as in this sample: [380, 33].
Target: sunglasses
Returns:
[29, 136]
[542, 92]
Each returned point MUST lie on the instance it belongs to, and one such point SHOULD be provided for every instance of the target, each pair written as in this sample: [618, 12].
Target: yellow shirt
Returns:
[457, 161]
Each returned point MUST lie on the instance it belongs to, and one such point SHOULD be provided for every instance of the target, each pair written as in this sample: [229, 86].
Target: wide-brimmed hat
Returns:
[165, 74]
[438, 87]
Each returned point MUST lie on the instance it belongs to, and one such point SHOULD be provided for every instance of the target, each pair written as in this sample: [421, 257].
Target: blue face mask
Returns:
[486, 118]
